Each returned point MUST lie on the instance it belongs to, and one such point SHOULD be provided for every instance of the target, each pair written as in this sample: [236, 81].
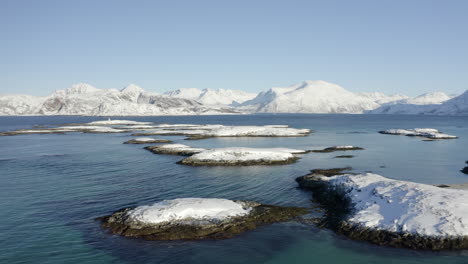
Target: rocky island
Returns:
[390, 212]
[195, 218]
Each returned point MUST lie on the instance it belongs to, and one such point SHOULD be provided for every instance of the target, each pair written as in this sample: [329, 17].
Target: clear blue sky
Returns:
[407, 46]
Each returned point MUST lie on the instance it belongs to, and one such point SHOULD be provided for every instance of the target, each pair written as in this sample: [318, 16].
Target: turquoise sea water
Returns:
[52, 187]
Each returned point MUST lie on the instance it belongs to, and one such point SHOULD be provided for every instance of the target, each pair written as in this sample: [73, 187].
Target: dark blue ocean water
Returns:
[52, 187]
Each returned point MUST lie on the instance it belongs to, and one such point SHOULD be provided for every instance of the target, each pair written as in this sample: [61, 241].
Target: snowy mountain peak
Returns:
[81, 88]
[318, 85]
[310, 97]
[185, 93]
[429, 98]
[132, 89]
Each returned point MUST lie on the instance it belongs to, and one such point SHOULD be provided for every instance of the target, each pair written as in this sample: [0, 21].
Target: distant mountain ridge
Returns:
[304, 97]
[456, 105]
[212, 97]
[84, 99]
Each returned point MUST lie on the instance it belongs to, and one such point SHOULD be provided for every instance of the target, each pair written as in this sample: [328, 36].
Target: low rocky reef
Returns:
[195, 218]
[336, 148]
[243, 157]
[429, 133]
[147, 140]
[149, 129]
[389, 212]
[193, 132]
[174, 149]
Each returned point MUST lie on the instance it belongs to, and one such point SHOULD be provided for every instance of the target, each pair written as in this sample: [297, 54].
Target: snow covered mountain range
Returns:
[304, 97]
[84, 99]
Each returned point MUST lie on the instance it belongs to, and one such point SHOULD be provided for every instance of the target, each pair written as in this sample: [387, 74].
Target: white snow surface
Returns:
[211, 209]
[118, 122]
[400, 206]
[246, 154]
[144, 139]
[428, 98]
[381, 98]
[304, 97]
[237, 131]
[344, 147]
[84, 99]
[212, 97]
[229, 131]
[180, 147]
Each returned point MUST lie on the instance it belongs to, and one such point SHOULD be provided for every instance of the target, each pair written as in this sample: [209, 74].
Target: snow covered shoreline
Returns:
[390, 212]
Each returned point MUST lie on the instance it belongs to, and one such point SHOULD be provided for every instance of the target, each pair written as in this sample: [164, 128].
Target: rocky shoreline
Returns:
[193, 162]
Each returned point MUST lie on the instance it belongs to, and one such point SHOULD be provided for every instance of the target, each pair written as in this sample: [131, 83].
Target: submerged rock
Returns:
[393, 213]
[345, 156]
[336, 148]
[195, 218]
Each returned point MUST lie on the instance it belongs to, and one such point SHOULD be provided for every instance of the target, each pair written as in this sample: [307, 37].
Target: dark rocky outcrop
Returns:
[171, 151]
[465, 170]
[333, 149]
[196, 162]
[134, 141]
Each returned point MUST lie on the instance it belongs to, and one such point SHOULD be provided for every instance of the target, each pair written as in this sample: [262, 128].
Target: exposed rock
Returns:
[336, 148]
[147, 141]
[345, 156]
[465, 170]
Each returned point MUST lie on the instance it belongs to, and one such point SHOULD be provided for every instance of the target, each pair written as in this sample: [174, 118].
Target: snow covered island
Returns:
[391, 212]
[146, 140]
[430, 133]
[243, 157]
[234, 156]
[195, 218]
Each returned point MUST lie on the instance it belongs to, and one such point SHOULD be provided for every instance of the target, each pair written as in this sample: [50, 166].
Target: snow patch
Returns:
[238, 154]
[212, 209]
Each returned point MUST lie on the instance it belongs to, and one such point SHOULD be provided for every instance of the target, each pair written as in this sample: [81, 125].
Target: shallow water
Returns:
[52, 187]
